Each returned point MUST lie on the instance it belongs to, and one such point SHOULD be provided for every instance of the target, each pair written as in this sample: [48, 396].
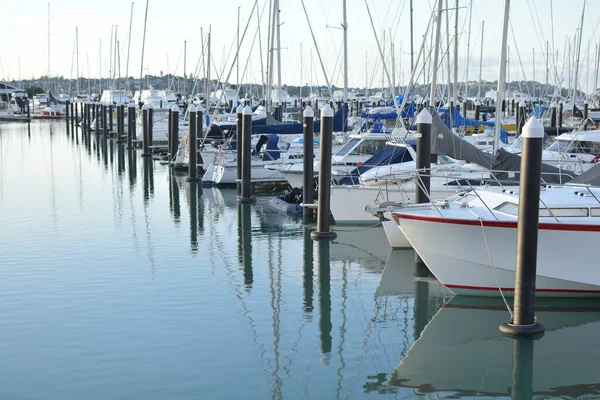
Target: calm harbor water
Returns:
[120, 280]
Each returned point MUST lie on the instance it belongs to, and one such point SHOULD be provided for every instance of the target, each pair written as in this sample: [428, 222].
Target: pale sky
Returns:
[25, 25]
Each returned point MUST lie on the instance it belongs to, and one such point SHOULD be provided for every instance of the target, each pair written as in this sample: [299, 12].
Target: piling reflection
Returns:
[421, 299]
[120, 159]
[193, 201]
[132, 166]
[173, 195]
[148, 178]
[245, 241]
[308, 275]
[104, 149]
[462, 353]
[325, 325]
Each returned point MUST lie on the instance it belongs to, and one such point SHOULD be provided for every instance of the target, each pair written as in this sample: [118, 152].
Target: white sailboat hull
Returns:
[455, 251]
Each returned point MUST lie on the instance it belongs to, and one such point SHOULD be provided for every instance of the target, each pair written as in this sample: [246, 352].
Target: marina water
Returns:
[119, 279]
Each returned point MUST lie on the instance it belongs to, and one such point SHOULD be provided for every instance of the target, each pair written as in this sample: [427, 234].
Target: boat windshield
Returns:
[577, 146]
[562, 146]
[347, 147]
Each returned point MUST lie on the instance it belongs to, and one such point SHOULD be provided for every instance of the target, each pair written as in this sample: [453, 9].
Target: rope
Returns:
[360, 229]
[494, 268]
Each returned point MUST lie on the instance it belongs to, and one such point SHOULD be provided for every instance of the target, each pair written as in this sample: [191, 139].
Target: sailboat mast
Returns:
[301, 78]
[143, 48]
[481, 59]
[412, 51]
[128, 46]
[110, 54]
[184, 65]
[237, 62]
[577, 58]
[48, 46]
[278, 54]
[455, 80]
[381, 52]
[208, 85]
[115, 57]
[345, 27]
[269, 97]
[436, 53]
[501, 78]
[100, 66]
[467, 58]
[77, 59]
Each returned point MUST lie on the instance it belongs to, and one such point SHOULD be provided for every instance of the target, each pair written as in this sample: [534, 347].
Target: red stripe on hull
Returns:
[485, 288]
[499, 224]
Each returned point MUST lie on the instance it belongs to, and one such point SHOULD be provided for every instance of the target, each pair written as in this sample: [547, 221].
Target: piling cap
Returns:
[424, 117]
[586, 102]
[131, 104]
[522, 103]
[175, 108]
[247, 110]
[239, 109]
[192, 108]
[477, 102]
[553, 105]
[327, 111]
[533, 129]
[145, 107]
[309, 112]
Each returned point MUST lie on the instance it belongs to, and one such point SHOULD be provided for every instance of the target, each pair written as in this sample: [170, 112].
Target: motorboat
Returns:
[469, 240]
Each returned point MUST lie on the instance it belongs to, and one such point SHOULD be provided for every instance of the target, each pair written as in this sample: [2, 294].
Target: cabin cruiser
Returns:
[358, 149]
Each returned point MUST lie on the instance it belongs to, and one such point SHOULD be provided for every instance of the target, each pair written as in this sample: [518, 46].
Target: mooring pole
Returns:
[477, 109]
[246, 185]
[146, 152]
[323, 213]
[560, 114]
[169, 131]
[150, 125]
[130, 124]
[553, 115]
[98, 114]
[521, 117]
[423, 162]
[104, 120]
[73, 114]
[523, 319]
[174, 134]
[199, 131]
[119, 116]
[308, 163]
[192, 146]
[239, 112]
[585, 110]
[67, 104]
[111, 130]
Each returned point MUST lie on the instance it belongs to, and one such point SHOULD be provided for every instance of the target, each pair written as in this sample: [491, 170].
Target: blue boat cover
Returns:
[386, 156]
[458, 120]
[340, 123]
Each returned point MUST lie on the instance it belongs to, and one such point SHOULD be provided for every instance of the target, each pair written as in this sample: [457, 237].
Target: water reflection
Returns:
[193, 201]
[132, 167]
[308, 273]
[148, 166]
[325, 325]
[462, 353]
[174, 195]
[254, 297]
[245, 242]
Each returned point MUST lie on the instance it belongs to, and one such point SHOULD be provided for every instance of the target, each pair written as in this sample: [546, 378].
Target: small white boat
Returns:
[453, 236]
